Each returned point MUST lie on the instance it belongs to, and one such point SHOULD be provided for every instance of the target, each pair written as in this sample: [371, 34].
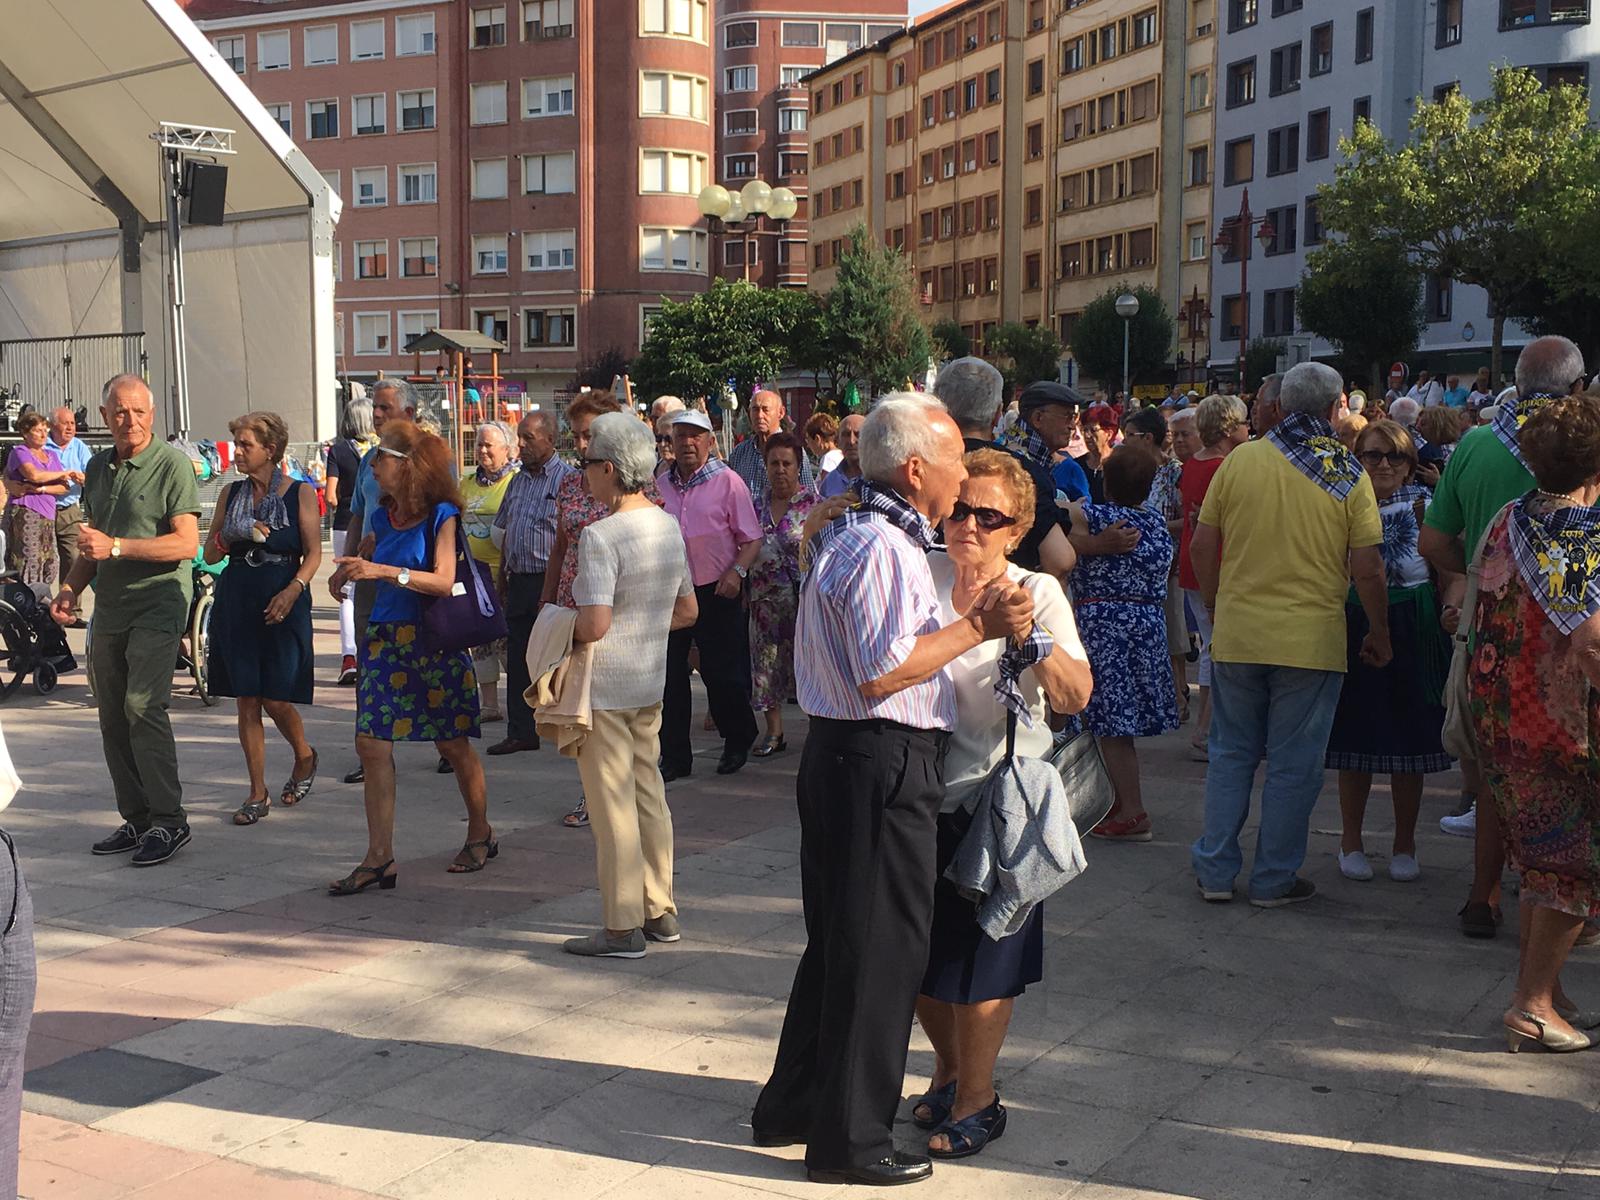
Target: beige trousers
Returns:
[628, 814]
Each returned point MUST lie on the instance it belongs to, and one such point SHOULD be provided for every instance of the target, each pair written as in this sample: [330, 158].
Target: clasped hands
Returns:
[1002, 610]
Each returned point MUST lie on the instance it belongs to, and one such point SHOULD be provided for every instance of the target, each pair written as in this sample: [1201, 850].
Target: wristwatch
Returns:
[116, 547]
[741, 572]
[404, 578]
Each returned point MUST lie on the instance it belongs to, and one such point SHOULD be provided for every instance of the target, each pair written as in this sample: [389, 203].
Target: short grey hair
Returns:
[117, 382]
[662, 405]
[1549, 364]
[898, 430]
[1358, 401]
[1270, 389]
[507, 438]
[1182, 416]
[357, 420]
[1217, 416]
[970, 390]
[625, 442]
[1403, 410]
[402, 392]
[1311, 388]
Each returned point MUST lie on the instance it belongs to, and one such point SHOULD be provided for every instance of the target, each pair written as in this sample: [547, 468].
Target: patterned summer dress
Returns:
[576, 510]
[772, 591]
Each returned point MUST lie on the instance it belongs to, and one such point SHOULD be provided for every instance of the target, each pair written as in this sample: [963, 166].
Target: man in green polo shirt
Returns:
[141, 531]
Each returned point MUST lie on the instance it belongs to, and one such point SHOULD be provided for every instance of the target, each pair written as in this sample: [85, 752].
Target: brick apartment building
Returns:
[488, 183]
[764, 50]
[1026, 155]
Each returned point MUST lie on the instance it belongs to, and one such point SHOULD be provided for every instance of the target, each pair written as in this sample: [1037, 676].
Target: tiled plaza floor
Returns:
[218, 1027]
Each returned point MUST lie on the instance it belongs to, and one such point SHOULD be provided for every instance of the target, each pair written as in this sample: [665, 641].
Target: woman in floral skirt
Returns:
[773, 587]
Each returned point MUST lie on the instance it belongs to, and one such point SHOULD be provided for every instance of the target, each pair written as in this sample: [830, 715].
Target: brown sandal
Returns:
[467, 862]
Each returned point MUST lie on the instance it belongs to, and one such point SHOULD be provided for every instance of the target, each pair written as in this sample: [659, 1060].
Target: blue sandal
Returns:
[938, 1102]
[970, 1135]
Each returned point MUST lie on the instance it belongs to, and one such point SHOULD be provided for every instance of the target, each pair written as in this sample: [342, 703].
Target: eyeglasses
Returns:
[1376, 458]
[663, 439]
[987, 518]
[393, 453]
[585, 463]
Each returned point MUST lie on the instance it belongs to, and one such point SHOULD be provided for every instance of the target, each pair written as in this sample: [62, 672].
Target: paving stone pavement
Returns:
[220, 1027]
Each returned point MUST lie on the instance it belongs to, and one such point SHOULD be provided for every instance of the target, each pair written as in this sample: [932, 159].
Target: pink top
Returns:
[716, 516]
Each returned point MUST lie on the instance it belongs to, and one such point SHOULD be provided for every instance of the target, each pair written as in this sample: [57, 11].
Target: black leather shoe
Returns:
[444, 767]
[732, 762]
[359, 775]
[898, 1168]
[511, 745]
[771, 1138]
[668, 774]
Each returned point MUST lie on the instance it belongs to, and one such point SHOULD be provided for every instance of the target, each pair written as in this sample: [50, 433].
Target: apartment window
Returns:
[1142, 175]
[1072, 56]
[947, 222]
[489, 254]
[991, 148]
[372, 260]
[1141, 248]
[1104, 46]
[550, 250]
[739, 122]
[1322, 48]
[283, 115]
[1437, 298]
[1199, 91]
[272, 51]
[1235, 318]
[1364, 20]
[492, 323]
[969, 155]
[991, 85]
[791, 164]
[672, 171]
[545, 19]
[331, 178]
[1195, 241]
[419, 183]
[1142, 101]
[322, 46]
[414, 324]
[1562, 75]
[1283, 229]
[1033, 206]
[489, 179]
[1241, 14]
[791, 120]
[839, 39]
[413, 35]
[553, 96]
[1144, 29]
[372, 114]
[489, 26]
[738, 34]
[1361, 110]
[739, 79]
[417, 110]
[672, 250]
[372, 333]
[969, 95]
[1280, 7]
[323, 118]
[1525, 14]
[1317, 135]
[667, 95]
[549, 174]
[1284, 73]
[1277, 312]
[675, 18]
[801, 33]
[647, 314]
[1241, 83]
[791, 76]
[739, 166]
[1199, 165]
[371, 186]
[1072, 123]
[1032, 272]
[419, 257]
[549, 327]
[1239, 161]
[232, 51]
[1449, 30]
[876, 33]
[1036, 77]
[1313, 222]
[1283, 150]
[489, 103]
[1036, 140]
[366, 40]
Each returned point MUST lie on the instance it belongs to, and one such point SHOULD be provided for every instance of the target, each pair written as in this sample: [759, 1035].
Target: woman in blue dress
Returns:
[1120, 603]
[407, 692]
[269, 529]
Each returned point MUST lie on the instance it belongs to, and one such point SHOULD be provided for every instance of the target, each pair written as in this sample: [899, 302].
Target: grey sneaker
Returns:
[663, 928]
[1301, 890]
[598, 945]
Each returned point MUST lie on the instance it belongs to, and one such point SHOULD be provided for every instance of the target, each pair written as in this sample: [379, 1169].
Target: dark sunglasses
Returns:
[987, 518]
[663, 439]
[1376, 458]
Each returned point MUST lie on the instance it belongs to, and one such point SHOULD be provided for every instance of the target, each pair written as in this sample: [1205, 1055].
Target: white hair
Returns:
[402, 392]
[507, 438]
[898, 430]
[662, 405]
[1549, 364]
[1312, 388]
[1403, 410]
[117, 382]
[625, 442]
[1358, 401]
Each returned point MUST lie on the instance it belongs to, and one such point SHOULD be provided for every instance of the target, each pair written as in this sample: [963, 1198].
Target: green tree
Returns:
[1097, 340]
[601, 369]
[1034, 353]
[813, 347]
[1260, 360]
[1366, 299]
[1479, 192]
[873, 316]
[735, 334]
[950, 338]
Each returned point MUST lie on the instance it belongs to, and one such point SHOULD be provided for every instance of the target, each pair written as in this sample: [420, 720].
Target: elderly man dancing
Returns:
[882, 707]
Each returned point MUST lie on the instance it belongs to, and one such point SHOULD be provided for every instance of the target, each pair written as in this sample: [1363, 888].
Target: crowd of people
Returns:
[951, 588]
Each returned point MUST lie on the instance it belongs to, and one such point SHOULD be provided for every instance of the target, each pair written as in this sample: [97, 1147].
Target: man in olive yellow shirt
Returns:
[1288, 522]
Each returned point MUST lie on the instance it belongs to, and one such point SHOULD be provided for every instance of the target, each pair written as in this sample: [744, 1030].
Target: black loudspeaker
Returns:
[205, 186]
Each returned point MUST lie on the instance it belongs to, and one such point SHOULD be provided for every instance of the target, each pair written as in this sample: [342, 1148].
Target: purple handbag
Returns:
[471, 614]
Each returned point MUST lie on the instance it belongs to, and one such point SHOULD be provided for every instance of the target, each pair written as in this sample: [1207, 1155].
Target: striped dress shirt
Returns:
[867, 598]
[528, 515]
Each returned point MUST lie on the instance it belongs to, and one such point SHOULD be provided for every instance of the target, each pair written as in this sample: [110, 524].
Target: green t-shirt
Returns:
[138, 498]
[1480, 479]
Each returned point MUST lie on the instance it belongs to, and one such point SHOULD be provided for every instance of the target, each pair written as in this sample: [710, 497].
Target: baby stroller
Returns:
[30, 641]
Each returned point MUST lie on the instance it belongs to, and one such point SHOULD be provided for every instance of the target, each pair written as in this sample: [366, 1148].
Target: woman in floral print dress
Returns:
[773, 587]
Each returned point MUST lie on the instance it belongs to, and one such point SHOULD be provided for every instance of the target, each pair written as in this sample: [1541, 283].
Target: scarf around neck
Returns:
[712, 466]
[1027, 442]
[1508, 422]
[243, 513]
[876, 499]
[1310, 445]
[487, 480]
[1557, 552]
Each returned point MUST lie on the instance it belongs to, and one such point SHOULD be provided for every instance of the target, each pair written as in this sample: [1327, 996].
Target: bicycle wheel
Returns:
[200, 645]
[16, 650]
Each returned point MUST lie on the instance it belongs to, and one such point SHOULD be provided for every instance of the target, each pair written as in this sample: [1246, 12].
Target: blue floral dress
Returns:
[1118, 599]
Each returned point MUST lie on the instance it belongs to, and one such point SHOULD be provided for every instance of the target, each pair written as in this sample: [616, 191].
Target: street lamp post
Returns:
[1194, 311]
[747, 209]
[1127, 309]
[1234, 235]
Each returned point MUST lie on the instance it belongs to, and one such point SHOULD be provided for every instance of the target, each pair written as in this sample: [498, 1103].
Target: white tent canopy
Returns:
[84, 84]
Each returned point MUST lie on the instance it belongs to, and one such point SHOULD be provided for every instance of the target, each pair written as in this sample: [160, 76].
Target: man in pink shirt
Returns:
[713, 508]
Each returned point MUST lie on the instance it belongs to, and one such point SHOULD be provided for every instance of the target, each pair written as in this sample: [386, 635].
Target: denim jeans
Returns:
[1283, 714]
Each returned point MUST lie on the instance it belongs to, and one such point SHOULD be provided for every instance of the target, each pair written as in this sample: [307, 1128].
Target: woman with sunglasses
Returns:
[664, 454]
[972, 980]
[1390, 718]
[407, 692]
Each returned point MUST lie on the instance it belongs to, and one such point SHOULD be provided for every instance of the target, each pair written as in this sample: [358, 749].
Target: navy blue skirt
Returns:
[966, 965]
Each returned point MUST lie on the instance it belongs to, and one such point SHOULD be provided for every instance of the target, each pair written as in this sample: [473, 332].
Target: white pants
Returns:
[347, 624]
[1202, 622]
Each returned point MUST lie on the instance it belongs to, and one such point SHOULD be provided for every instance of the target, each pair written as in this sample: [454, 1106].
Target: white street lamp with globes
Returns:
[748, 208]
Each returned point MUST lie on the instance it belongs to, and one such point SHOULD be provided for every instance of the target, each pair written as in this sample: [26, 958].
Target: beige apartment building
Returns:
[1025, 155]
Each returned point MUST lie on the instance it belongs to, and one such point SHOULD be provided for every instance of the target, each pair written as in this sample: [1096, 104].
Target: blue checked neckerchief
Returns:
[485, 479]
[710, 467]
[1309, 443]
[1557, 552]
[1508, 422]
[1026, 442]
[875, 499]
[1013, 663]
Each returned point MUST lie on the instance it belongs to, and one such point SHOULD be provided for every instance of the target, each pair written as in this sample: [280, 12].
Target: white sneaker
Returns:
[1354, 866]
[1404, 868]
[1466, 825]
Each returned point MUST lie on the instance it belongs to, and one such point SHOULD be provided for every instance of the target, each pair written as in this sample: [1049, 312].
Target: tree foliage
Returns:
[734, 335]
[874, 318]
[1484, 192]
[1365, 297]
[1097, 340]
[1033, 351]
[950, 339]
[1260, 360]
[599, 370]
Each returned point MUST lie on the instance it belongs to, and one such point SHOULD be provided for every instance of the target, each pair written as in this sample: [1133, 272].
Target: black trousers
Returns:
[869, 795]
[722, 635]
[522, 606]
